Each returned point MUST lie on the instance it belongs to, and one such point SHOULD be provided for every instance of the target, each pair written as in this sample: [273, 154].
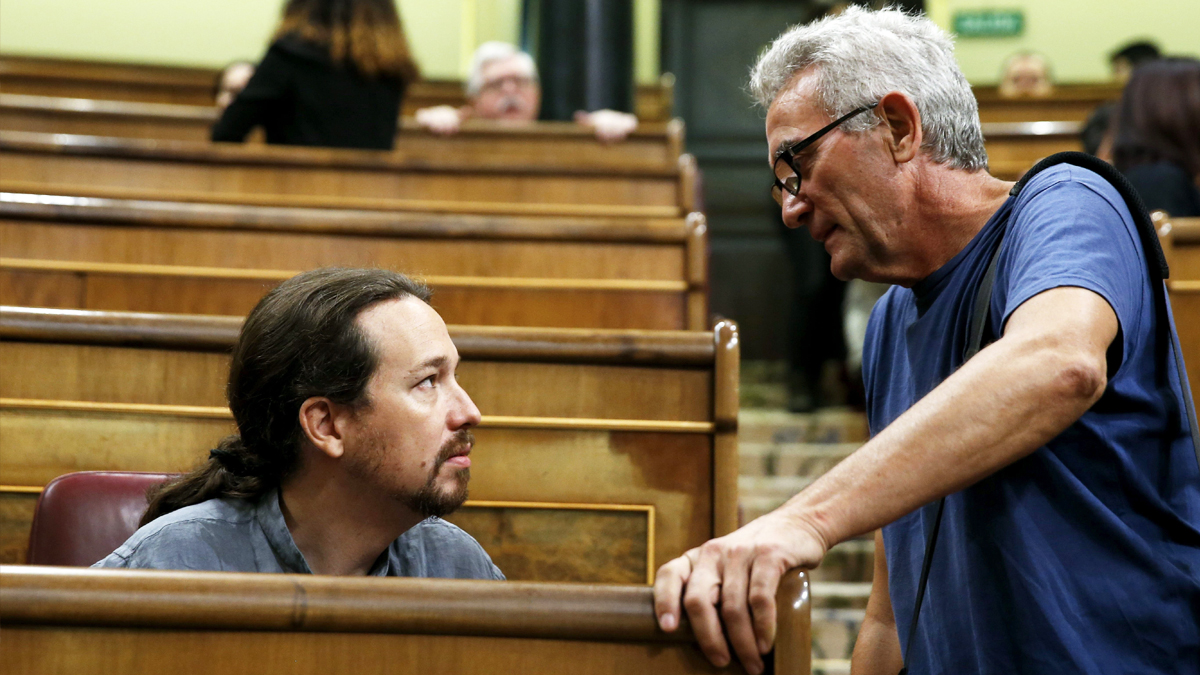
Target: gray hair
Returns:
[862, 55]
[495, 51]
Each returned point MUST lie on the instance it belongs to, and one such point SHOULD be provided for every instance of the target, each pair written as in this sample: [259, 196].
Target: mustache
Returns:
[459, 442]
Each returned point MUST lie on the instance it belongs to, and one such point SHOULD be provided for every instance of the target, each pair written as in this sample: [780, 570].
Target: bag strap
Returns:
[1159, 272]
[979, 316]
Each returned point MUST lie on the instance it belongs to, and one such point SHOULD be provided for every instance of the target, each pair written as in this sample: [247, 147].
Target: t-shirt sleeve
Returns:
[1076, 231]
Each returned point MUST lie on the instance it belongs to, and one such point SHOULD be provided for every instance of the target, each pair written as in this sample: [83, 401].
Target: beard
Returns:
[431, 500]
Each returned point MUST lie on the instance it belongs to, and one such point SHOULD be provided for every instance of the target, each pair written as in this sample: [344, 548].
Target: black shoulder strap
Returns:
[979, 314]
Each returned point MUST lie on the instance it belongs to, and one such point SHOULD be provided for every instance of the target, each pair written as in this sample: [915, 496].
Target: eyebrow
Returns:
[434, 362]
[782, 148]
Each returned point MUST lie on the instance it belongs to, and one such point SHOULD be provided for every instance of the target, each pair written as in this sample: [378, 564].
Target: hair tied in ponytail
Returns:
[229, 460]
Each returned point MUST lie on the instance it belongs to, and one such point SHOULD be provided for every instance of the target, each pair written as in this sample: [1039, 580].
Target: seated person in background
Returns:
[333, 77]
[232, 79]
[1129, 57]
[1025, 74]
[1157, 139]
[353, 438]
[503, 85]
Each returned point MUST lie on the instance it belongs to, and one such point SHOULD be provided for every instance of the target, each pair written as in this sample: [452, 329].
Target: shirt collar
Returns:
[270, 518]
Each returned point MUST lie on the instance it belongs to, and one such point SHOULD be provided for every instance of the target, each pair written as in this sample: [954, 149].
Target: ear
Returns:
[902, 121]
[321, 421]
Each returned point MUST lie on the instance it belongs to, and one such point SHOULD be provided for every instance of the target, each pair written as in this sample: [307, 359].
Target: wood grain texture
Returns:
[1185, 307]
[64, 161]
[1068, 103]
[558, 144]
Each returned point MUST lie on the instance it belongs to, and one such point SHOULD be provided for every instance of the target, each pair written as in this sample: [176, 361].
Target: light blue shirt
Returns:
[236, 535]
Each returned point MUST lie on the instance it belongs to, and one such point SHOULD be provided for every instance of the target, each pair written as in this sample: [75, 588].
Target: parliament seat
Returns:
[85, 622]
[1180, 238]
[601, 454]
[74, 78]
[82, 517]
[1014, 147]
[1068, 103]
[195, 258]
[652, 145]
[250, 174]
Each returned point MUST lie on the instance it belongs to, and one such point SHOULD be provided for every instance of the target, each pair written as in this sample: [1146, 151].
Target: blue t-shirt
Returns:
[1083, 557]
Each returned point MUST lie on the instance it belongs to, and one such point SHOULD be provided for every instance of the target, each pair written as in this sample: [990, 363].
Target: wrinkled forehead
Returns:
[795, 113]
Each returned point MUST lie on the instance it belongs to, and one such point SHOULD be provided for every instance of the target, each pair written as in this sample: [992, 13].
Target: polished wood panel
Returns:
[1070, 103]
[94, 621]
[1185, 307]
[65, 162]
[72, 78]
[1180, 239]
[1014, 147]
[570, 416]
[76, 252]
[488, 143]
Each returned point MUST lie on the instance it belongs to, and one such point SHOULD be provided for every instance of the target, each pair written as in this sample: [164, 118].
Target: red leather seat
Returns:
[82, 517]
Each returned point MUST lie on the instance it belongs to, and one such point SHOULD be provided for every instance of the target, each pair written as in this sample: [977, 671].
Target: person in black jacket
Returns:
[334, 76]
[1157, 142]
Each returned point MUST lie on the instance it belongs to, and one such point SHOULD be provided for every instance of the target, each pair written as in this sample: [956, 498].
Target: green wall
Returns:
[1075, 35]
[443, 33]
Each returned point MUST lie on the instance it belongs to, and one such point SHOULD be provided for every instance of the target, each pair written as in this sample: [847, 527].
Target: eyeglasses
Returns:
[787, 176]
[517, 82]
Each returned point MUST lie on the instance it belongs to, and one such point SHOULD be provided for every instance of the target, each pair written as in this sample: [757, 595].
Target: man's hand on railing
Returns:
[733, 580]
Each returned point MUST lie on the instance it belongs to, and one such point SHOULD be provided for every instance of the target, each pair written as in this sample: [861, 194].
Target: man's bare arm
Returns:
[877, 649]
[1009, 400]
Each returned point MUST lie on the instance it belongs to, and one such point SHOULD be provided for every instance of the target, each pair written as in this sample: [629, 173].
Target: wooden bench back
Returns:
[73, 78]
[58, 162]
[1068, 103]
[55, 620]
[588, 437]
[1014, 147]
[1180, 239]
[85, 253]
[653, 145]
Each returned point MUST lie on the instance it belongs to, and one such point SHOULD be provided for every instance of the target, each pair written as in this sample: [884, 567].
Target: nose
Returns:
[464, 414]
[794, 208]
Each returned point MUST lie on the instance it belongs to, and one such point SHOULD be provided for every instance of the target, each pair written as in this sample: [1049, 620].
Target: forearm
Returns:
[876, 649]
[1009, 400]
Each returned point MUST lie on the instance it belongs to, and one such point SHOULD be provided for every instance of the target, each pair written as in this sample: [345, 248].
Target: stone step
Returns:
[828, 425]
[791, 459]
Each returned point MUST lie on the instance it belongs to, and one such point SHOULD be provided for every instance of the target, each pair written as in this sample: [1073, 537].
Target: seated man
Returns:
[353, 438]
[503, 85]
[1025, 75]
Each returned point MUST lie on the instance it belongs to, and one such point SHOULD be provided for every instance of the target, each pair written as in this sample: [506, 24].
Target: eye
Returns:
[428, 382]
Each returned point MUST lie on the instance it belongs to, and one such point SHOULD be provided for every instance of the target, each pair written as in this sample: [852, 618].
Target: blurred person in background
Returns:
[232, 79]
[1157, 139]
[504, 85]
[1025, 74]
[1129, 57]
[334, 76]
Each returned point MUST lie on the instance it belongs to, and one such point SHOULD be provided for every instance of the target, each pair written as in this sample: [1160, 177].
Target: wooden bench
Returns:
[72, 78]
[56, 620]
[588, 437]
[193, 258]
[1014, 147]
[1180, 238]
[1068, 103]
[652, 145]
[63, 162]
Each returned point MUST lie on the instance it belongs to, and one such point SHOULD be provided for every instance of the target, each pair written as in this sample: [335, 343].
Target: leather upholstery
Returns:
[82, 517]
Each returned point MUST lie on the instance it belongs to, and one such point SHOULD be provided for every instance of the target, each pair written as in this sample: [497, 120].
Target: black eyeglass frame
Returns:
[788, 156]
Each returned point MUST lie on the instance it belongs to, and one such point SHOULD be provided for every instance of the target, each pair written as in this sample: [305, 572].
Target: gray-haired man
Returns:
[1070, 541]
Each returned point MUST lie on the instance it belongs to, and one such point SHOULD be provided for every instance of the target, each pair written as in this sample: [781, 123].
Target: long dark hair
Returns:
[300, 341]
[1159, 116]
[367, 33]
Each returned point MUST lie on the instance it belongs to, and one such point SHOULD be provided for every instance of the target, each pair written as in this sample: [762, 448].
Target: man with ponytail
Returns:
[353, 438]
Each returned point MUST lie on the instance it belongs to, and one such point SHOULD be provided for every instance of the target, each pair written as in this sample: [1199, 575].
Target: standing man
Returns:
[1070, 541]
[353, 438]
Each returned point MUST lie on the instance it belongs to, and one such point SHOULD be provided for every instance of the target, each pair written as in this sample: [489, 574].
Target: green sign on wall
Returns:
[989, 23]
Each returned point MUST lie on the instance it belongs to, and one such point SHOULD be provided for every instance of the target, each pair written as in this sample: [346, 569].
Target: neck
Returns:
[949, 209]
[340, 525]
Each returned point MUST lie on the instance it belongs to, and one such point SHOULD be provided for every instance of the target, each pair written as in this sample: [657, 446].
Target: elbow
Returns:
[1080, 378]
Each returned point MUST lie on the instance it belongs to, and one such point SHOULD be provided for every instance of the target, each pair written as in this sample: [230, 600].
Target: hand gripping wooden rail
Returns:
[60, 620]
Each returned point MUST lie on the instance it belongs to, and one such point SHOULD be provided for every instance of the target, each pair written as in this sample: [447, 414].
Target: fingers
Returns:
[700, 598]
[735, 611]
[668, 587]
[764, 583]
